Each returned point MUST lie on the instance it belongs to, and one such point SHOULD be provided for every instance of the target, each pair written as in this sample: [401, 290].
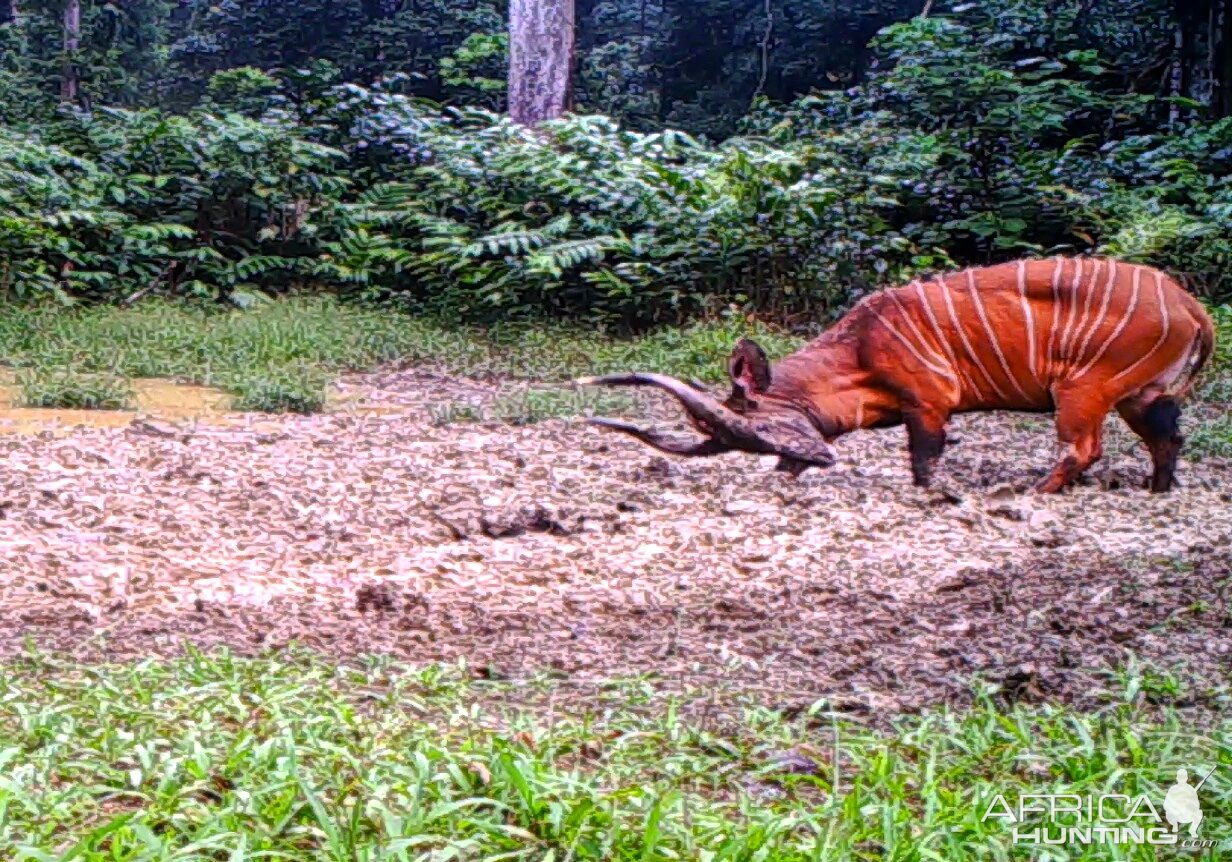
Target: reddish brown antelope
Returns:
[1077, 336]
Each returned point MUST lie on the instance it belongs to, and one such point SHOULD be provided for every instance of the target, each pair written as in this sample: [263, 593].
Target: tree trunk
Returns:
[540, 59]
[1222, 98]
[1176, 86]
[70, 86]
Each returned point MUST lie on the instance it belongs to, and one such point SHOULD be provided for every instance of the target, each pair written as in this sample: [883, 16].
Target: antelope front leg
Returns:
[926, 440]
[1079, 444]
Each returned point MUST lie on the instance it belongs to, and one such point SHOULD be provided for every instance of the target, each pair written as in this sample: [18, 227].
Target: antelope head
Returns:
[754, 418]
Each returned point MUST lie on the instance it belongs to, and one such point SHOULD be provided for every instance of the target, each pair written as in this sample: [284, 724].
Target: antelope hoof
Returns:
[791, 466]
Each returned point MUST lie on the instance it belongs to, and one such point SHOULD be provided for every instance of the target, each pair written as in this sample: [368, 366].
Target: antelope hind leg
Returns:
[1158, 423]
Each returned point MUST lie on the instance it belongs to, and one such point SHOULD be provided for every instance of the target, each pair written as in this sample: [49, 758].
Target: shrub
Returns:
[129, 202]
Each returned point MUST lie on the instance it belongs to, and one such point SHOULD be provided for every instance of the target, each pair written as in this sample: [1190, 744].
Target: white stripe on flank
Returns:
[1163, 310]
[932, 318]
[1087, 307]
[935, 369]
[1103, 311]
[1069, 339]
[1073, 309]
[915, 329]
[963, 377]
[975, 360]
[1056, 316]
[1026, 312]
[992, 336]
[970, 383]
[1133, 303]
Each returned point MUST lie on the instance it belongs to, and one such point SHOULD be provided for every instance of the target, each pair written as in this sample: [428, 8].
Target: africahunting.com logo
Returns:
[1056, 819]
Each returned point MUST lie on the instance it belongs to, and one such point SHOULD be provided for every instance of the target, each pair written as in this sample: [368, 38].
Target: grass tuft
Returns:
[531, 406]
[1211, 439]
[69, 390]
[455, 413]
[294, 388]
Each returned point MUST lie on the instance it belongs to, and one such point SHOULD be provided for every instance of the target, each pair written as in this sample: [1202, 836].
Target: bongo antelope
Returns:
[1074, 336]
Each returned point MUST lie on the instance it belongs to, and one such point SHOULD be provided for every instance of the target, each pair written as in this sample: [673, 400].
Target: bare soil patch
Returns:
[375, 528]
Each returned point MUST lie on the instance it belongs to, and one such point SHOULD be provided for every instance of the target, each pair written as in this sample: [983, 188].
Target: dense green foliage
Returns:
[295, 759]
[691, 64]
[258, 152]
[683, 63]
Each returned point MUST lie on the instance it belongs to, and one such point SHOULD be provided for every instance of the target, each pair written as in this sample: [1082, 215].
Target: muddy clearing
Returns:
[558, 546]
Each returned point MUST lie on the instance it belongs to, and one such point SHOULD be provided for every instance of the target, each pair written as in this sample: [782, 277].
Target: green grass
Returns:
[1222, 360]
[535, 405]
[1211, 434]
[1211, 439]
[66, 389]
[294, 387]
[212, 757]
[699, 350]
[281, 356]
[1216, 385]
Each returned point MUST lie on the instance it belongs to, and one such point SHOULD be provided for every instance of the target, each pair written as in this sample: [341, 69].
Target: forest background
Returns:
[779, 158]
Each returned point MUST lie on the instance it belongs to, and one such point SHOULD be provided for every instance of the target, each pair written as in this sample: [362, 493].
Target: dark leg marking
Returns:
[1158, 424]
[926, 440]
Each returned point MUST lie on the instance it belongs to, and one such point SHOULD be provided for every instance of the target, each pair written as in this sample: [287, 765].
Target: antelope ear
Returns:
[749, 368]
